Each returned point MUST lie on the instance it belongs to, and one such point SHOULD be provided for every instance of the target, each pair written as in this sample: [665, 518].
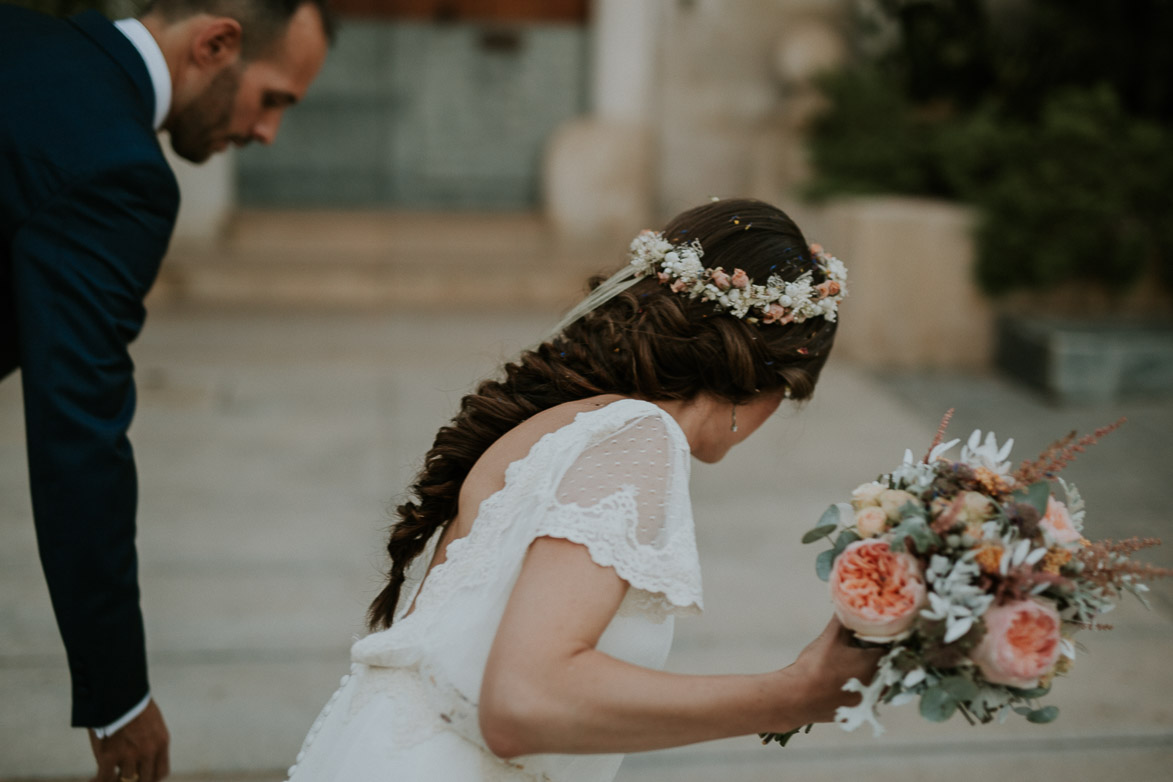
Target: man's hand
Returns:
[138, 752]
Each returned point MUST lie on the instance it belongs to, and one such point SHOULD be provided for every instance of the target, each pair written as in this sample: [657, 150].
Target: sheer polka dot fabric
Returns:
[635, 460]
[625, 497]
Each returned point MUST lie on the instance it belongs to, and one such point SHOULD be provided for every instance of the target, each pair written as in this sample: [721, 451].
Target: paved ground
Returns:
[271, 445]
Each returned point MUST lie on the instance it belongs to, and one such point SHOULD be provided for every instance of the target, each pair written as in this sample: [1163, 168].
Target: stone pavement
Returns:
[271, 446]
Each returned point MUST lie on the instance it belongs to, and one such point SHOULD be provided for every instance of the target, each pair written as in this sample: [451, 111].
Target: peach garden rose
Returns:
[1057, 523]
[1021, 643]
[871, 521]
[892, 500]
[866, 494]
[876, 591]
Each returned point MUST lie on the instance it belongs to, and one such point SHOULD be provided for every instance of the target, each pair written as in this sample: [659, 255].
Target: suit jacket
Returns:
[87, 206]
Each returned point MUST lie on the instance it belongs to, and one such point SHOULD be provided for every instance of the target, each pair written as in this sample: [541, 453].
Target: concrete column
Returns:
[597, 178]
[207, 195]
[623, 59]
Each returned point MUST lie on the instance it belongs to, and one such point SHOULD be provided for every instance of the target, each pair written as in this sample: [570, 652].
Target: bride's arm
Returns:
[547, 689]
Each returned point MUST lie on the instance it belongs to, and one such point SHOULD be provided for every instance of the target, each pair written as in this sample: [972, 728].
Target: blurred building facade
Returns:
[600, 115]
[539, 137]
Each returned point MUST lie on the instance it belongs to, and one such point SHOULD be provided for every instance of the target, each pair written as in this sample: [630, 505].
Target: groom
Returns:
[87, 207]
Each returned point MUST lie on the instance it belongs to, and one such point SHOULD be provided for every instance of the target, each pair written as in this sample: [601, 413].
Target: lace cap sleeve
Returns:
[625, 497]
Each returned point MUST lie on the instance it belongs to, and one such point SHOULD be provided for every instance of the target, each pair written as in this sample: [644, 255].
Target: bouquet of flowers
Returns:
[974, 576]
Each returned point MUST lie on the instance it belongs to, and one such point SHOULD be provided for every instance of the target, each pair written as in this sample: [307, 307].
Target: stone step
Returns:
[390, 234]
[325, 258]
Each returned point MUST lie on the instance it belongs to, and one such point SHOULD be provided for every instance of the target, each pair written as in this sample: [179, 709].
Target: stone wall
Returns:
[913, 300]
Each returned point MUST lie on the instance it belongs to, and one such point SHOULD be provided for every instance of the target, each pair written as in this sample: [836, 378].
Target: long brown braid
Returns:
[647, 342]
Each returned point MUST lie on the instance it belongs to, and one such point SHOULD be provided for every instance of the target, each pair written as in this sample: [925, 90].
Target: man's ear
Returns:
[217, 43]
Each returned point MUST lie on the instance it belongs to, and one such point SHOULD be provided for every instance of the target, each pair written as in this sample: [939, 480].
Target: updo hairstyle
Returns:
[647, 342]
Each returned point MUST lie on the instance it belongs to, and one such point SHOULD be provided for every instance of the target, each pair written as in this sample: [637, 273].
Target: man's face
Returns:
[245, 103]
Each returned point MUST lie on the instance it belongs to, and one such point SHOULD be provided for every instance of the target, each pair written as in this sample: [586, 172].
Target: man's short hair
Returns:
[262, 22]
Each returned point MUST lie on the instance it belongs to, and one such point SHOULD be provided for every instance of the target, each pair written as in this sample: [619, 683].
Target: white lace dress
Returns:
[614, 480]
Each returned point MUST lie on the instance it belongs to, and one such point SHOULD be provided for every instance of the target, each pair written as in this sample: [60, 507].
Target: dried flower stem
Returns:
[1128, 545]
[1093, 626]
[940, 432]
[1106, 562]
[1060, 454]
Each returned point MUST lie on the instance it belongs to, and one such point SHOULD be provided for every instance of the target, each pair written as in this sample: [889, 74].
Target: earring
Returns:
[733, 428]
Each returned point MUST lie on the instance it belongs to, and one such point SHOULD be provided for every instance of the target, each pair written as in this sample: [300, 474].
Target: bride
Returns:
[549, 543]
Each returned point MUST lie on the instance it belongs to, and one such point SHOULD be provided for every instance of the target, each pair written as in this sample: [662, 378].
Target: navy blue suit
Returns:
[87, 206]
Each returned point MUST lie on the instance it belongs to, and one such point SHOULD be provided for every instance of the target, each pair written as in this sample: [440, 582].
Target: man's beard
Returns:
[203, 124]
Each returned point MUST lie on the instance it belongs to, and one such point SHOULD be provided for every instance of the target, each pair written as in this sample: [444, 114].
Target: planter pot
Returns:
[1088, 361]
[913, 302]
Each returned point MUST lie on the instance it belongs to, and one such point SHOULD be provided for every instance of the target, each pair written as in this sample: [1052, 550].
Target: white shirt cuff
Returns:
[122, 721]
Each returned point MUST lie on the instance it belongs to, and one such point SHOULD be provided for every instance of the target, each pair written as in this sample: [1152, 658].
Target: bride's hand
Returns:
[825, 665]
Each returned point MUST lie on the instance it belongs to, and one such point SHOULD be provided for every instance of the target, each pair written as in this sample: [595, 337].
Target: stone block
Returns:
[808, 48]
[1087, 362]
[597, 181]
[913, 300]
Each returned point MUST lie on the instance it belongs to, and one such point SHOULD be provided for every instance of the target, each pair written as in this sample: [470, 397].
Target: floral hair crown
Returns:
[679, 267]
[778, 301]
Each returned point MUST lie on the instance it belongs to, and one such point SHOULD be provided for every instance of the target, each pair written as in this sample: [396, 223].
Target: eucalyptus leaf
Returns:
[1043, 715]
[959, 687]
[845, 539]
[937, 705]
[823, 563]
[1035, 495]
[1036, 692]
[830, 516]
[819, 532]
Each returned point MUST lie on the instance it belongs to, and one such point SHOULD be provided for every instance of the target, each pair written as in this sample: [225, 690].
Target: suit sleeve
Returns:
[81, 265]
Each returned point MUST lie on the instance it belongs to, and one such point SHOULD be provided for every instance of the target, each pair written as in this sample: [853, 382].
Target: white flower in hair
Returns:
[778, 301]
[679, 267]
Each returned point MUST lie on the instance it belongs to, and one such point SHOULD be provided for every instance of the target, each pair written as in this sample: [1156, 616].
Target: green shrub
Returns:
[1049, 120]
[1076, 196]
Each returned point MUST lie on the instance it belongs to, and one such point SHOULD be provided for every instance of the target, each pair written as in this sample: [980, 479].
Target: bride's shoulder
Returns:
[553, 419]
[604, 411]
[614, 409]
